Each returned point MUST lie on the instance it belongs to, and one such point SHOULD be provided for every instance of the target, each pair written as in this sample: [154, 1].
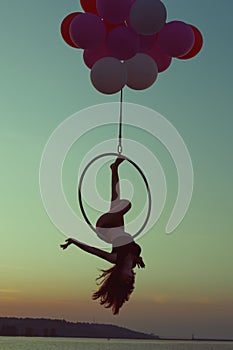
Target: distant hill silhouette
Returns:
[41, 327]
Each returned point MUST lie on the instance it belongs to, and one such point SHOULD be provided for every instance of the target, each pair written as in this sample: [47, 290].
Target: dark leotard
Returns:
[123, 250]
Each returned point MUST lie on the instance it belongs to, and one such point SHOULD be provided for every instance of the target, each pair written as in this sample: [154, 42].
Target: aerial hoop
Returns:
[113, 154]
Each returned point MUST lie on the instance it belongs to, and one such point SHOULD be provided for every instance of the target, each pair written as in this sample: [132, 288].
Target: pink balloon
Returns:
[162, 60]
[114, 11]
[176, 38]
[148, 16]
[122, 43]
[108, 75]
[92, 56]
[142, 71]
[87, 31]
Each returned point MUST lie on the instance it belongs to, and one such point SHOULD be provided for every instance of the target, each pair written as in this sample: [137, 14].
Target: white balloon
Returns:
[108, 75]
[148, 16]
[142, 71]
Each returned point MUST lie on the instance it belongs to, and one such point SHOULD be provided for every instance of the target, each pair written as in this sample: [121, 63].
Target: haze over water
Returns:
[99, 344]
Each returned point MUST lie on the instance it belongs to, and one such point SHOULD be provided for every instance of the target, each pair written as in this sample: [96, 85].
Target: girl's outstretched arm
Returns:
[110, 257]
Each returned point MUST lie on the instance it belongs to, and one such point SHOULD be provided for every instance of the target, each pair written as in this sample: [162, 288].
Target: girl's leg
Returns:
[115, 217]
[115, 195]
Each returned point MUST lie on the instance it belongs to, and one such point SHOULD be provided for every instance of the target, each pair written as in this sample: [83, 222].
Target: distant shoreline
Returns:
[58, 328]
[42, 327]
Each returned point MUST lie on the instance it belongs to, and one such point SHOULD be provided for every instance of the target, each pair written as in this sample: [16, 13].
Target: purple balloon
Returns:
[146, 42]
[176, 38]
[92, 56]
[122, 43]
[114, 11]
[162, 60]
[87, 31]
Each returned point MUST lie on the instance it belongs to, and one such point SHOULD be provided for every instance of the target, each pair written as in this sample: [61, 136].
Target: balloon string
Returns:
[120, 125]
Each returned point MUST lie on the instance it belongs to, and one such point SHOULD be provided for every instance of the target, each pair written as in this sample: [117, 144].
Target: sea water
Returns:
[27, 343]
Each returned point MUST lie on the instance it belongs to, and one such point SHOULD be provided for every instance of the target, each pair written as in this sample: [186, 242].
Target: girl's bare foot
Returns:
[117, 162]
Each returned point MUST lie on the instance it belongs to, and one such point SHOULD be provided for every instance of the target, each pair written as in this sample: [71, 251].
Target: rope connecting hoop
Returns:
[119, 148]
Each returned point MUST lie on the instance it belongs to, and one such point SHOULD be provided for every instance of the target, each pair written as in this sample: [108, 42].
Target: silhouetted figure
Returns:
[117, 283]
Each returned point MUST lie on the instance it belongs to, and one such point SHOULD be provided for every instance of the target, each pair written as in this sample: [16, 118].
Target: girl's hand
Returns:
[69, 241]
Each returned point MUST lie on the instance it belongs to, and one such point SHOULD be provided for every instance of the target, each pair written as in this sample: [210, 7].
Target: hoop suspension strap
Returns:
[119, 149]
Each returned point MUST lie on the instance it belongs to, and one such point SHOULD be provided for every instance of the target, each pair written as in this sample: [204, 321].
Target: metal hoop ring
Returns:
[113, 154]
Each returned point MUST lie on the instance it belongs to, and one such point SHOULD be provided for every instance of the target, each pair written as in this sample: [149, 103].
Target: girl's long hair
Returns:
[113, 292]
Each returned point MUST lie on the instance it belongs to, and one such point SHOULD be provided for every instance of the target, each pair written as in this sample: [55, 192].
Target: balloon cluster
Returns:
[128, 42]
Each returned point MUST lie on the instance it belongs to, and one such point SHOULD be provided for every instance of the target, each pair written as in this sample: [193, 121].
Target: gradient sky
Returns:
[187, 285]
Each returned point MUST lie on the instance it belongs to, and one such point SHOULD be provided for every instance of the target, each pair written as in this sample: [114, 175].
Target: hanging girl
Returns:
[116, 283]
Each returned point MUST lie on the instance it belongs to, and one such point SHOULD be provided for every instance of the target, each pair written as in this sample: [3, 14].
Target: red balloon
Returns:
[198, 43]
[110, 26]
[89, 6]
[65, 29]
